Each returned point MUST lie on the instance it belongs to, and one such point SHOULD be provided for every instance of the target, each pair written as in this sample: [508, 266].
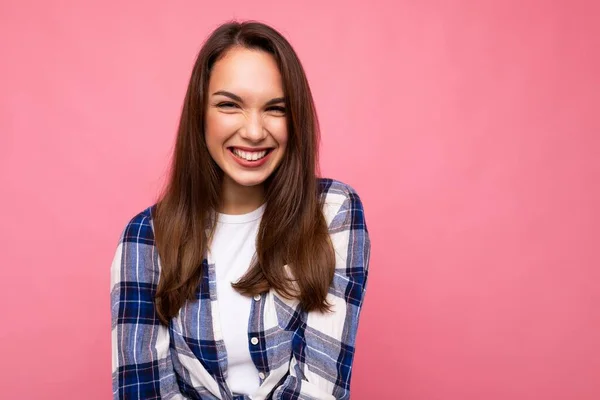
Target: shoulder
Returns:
[135, 259]
[139, 229]
[341, 204]
[334, 191]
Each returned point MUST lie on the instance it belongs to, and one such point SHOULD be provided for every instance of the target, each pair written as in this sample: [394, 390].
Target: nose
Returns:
[254, 129]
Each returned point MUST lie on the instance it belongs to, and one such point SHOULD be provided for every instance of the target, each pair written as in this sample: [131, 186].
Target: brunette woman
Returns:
[246, 279]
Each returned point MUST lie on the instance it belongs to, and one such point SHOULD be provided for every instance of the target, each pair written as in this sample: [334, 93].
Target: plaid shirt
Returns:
[299, 355]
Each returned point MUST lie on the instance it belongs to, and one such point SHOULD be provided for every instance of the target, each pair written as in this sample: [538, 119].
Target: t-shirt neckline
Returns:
[241, 218]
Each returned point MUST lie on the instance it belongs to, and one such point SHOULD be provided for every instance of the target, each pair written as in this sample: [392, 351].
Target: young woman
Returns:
[246, 279]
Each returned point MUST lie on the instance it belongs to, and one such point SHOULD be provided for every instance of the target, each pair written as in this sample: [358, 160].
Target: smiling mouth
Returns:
[249, 155]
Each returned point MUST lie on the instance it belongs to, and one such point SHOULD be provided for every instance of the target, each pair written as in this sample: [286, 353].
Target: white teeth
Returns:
[250, 155]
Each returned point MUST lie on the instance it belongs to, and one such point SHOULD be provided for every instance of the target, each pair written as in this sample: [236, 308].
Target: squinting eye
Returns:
[277, 109]
[226, 105]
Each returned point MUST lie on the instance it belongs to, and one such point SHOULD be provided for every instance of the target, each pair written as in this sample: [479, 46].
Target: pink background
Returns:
[470, 129]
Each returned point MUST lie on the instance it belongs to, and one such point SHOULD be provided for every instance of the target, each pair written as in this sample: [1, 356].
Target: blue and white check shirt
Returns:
[299, 355]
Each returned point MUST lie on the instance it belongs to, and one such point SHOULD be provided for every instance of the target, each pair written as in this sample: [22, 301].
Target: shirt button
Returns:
[261, 375]
[254, 341]
[257, 297]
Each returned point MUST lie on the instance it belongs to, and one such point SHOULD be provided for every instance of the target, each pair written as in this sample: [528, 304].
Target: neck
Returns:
[237, 199]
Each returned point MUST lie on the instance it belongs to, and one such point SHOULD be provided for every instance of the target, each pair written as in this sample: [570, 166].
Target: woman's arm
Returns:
[141, 361]
[323, 351]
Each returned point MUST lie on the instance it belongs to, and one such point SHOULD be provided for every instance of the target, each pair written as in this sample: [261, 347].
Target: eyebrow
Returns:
[237, 98]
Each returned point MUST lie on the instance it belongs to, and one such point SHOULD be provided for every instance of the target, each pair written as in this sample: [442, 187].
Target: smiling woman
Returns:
[247, 278]
[245, 122]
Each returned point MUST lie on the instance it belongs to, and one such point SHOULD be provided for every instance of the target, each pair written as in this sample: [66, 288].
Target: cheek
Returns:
[218, 128]
[278, 129]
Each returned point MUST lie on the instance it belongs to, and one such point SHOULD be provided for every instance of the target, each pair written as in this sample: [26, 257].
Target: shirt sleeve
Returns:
[141, 360]
[324, 344]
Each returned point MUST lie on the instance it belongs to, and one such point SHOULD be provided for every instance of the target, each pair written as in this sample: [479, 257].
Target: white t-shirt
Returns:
[232, 249]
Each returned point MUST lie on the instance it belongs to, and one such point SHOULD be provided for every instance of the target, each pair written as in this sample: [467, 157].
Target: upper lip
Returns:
[251, 148]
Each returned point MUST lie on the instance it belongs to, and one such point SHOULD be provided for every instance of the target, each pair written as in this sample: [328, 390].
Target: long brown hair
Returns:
[293, 230]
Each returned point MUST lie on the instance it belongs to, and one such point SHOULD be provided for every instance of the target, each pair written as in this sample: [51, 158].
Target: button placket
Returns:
[254, 340]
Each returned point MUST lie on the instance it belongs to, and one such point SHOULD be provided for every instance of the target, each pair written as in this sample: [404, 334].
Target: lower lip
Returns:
[250, 164]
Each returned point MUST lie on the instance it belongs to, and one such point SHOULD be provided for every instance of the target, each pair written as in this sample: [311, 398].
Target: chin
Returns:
[248, 181]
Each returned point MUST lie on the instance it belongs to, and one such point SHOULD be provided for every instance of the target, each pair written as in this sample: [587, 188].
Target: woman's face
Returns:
[245, 126]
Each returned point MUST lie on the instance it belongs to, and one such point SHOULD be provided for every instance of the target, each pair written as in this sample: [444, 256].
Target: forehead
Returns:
[246, 72]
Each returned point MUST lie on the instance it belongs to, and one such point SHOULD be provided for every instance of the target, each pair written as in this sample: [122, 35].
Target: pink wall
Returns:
[471, 131]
